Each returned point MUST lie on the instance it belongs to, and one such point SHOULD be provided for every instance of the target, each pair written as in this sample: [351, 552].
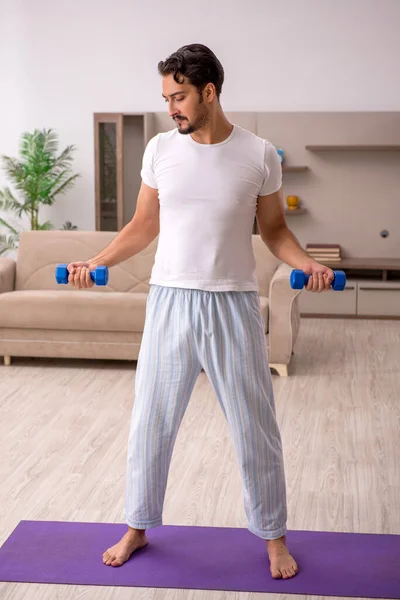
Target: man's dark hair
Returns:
[196, 62]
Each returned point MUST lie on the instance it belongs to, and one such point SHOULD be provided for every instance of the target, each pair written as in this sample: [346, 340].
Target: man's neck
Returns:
[217, 130]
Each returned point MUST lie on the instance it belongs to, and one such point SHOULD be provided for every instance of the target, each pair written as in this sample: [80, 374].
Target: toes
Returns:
[289, 572]
[117, 562]
[108, 559]
[283, 570]
[276, 574]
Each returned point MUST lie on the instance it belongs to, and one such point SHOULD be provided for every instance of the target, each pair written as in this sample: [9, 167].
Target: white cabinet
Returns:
[362, 298]
[378, 298]
[330, 303]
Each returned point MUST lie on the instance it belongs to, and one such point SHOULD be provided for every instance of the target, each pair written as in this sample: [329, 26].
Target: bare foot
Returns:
[120, 553]
[282, 563]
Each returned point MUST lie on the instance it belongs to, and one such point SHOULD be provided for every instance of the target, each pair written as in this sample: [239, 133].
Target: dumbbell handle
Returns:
[99, 275]
[298, 279]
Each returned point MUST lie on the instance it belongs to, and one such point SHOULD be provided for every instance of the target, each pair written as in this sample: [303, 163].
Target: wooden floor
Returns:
[64, 428]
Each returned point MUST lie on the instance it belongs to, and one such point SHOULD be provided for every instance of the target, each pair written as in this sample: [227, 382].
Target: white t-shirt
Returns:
[208, 197]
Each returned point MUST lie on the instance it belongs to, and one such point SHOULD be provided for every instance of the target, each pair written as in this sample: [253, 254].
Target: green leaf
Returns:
[45, 226]
[68, 226]
[15, 170]
[8, 201]
[50, 141]
[48, 194]
[8, 243]
[8, 226]
[65, 158]
[65, 186]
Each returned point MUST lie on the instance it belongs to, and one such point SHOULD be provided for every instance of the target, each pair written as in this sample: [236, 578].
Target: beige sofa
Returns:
[40, 318]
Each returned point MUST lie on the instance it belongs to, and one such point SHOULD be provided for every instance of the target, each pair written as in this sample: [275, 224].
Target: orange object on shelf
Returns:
[292, 202]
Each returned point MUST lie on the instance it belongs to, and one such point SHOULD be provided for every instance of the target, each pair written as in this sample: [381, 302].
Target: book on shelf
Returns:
[330, 252]
[327, 254]
[324, 247]
[325, 259]
[324, 252]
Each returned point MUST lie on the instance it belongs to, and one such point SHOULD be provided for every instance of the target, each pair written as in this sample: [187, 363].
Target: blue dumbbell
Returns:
[99, 275]
[298, 279]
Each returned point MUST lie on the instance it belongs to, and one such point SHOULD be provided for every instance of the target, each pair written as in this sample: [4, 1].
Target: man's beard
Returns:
[199, 122]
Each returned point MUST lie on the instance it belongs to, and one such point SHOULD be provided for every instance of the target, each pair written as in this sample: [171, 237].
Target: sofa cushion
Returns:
[75, 309]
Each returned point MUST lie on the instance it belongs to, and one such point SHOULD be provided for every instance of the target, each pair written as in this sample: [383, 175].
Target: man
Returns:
[202, 185]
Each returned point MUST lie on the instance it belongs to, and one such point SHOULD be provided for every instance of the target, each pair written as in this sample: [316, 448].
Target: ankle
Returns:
[277, 542]
[136, 532]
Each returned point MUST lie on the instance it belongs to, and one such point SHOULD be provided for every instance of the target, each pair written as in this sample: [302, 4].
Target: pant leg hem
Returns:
[269, 535]
[143, 524]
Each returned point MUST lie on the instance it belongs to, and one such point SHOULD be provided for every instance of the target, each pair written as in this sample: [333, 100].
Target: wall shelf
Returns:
[294, 169]
[359, 147]
[297, 211]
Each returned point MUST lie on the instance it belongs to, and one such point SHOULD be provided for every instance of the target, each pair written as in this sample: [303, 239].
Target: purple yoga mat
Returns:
[212, 558]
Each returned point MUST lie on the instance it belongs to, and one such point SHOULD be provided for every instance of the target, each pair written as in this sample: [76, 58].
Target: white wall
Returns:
[66, 60]
[13, 81]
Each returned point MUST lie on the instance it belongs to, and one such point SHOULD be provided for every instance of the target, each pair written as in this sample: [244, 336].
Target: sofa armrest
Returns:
[7, 274]
[284, 316]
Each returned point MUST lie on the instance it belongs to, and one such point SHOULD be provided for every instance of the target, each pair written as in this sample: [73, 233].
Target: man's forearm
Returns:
[131, 240]
[284, 245]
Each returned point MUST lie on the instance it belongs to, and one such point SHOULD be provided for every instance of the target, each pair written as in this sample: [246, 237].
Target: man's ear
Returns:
[210, 92]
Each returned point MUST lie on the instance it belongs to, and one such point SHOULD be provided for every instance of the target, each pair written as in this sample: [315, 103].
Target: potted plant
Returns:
[39, 176]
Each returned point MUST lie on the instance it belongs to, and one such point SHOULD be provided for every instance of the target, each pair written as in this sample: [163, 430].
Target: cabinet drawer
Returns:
[330, 303]
[381, 298]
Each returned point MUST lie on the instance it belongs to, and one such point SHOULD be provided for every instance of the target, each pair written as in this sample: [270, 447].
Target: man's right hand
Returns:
[79, 274]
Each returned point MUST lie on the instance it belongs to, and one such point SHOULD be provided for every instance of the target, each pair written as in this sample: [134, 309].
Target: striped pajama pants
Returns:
[223, 333]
